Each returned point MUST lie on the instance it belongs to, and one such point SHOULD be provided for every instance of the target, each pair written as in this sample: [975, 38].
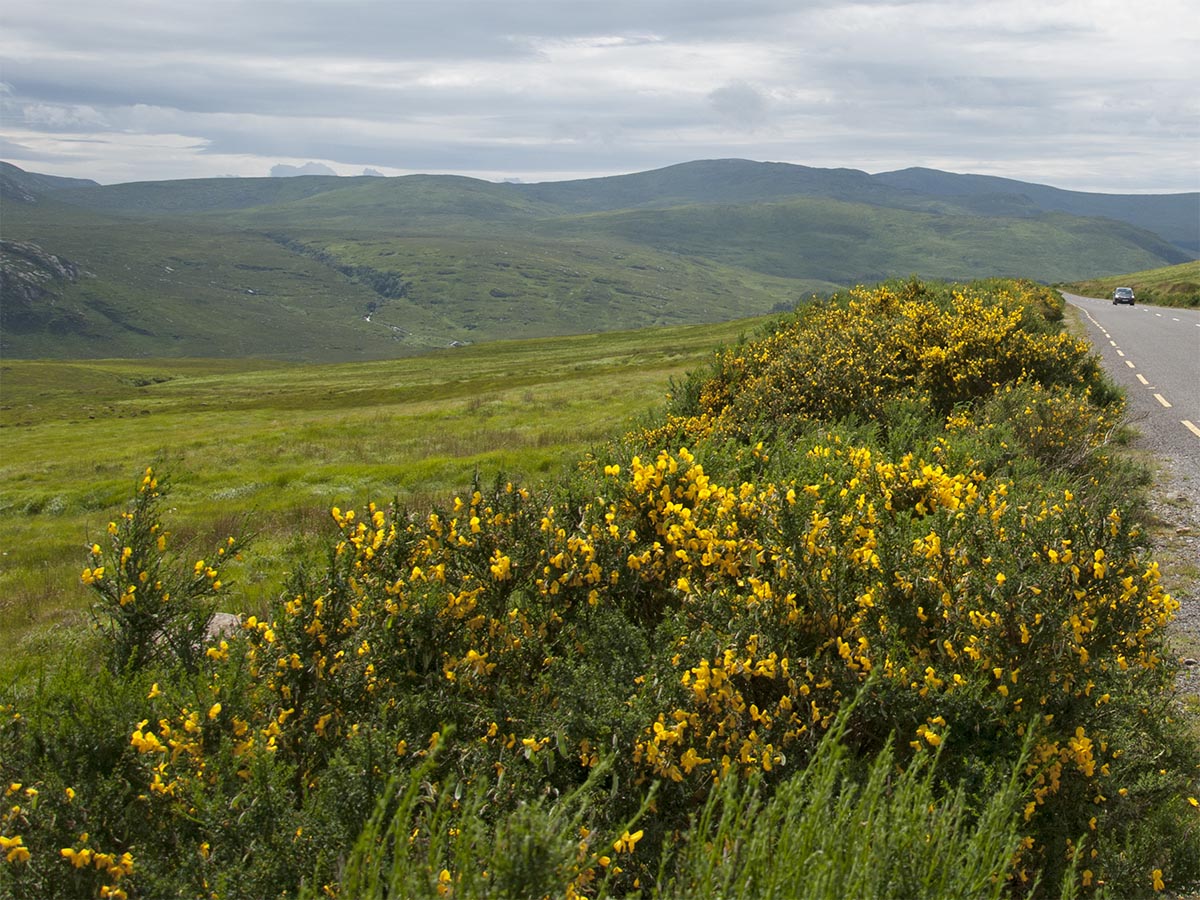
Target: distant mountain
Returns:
[319, 267]
[1174, 216]
[193, 195]
[716, 181]
[282, 170]
[24, 187]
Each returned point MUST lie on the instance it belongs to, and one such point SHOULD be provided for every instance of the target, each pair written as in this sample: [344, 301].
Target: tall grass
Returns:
[839, 828]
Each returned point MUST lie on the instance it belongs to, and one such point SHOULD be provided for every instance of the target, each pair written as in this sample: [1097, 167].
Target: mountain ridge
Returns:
[327, 267]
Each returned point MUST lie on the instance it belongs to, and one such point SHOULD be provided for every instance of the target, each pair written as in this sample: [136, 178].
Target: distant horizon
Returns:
[1097, 97]
[369, 171]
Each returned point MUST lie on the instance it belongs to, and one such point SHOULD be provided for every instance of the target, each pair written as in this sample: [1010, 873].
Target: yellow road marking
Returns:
[1192, 428]
[1163, 400]
[1142, 379]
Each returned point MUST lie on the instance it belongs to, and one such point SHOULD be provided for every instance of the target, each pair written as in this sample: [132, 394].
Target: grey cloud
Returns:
[451, 28]
[16, 150]
[740, 104]
[594, 88]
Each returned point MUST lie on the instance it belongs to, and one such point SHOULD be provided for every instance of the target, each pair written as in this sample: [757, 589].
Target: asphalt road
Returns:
[1154, 353]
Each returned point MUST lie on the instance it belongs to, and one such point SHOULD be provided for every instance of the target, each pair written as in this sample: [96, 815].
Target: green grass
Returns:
[836, 829]
[287, 442]
[1170, 286]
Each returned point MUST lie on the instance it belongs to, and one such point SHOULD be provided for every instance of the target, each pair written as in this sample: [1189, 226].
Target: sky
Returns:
[1093, 95]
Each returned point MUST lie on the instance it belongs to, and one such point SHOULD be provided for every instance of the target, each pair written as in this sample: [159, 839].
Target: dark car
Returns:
[1123, 295]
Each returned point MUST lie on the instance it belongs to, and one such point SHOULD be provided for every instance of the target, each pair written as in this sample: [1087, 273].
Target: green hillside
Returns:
[1175, 217]
[192, 287]
[199, 194]
[19, 186]
[327, 268]
[181, 289]
[831, 240]
[718, 181]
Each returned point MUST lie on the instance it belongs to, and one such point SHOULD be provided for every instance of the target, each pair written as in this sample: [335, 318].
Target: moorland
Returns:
[336, 269]
[855, 597]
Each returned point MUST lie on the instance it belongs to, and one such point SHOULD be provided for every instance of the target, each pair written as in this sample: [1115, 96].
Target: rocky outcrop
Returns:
[19, 186]
[30, 281]
[14, 191]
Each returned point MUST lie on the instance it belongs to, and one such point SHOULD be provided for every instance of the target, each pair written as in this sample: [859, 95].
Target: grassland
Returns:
[287, 441]
[1170, 286]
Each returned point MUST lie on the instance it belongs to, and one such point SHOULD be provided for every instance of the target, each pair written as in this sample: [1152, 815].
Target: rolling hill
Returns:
[1175, 217]
[328, 268]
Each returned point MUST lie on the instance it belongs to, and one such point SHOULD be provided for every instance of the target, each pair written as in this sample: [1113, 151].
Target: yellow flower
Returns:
[14, 849]
[1156, 879]
[626, 842]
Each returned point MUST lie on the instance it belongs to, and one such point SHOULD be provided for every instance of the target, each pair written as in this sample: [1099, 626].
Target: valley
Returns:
[328, 269]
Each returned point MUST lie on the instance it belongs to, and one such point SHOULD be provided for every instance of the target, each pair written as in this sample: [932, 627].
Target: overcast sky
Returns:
[1097, 95]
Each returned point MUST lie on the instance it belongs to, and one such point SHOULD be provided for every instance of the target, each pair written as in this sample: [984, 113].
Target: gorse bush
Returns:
[895, 519]
[855, 359]
[152, 611]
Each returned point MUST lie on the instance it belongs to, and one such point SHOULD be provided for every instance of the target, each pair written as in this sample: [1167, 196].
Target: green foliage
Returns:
[932, 612]
[284, 442]
[842, 828]
[441, 839]
[152, 610]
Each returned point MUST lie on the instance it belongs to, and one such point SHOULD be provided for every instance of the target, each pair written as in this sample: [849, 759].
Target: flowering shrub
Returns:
[896, 346]
[150, 612]
[904, 498]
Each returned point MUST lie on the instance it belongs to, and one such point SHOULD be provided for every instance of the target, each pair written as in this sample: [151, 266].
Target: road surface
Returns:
[1154, 353]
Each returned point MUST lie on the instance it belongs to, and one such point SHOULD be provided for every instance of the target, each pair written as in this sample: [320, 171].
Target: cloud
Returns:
[62, 117]
[740, 104]
[281, 170]
[541, 89]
